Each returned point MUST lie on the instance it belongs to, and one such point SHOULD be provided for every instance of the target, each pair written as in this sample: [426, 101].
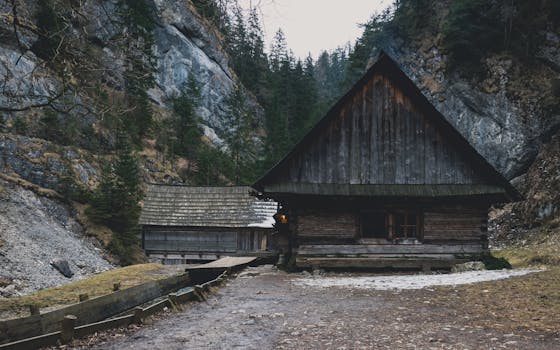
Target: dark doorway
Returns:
[374, 225]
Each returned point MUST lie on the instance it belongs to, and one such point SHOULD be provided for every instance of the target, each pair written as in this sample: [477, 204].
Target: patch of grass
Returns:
[535, 249]
[94, 286]
[529, 256]
[45, 192]
[522, 303]
[102, 233]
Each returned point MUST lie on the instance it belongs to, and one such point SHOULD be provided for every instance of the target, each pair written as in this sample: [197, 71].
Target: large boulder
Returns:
[63, 267]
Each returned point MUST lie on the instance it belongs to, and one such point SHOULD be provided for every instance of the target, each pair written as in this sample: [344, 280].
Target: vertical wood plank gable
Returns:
[380, 137]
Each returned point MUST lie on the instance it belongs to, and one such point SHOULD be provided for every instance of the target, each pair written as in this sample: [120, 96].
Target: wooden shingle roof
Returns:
[166, 205]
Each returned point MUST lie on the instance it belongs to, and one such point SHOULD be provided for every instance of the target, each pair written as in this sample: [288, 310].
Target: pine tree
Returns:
[115, 201]
[278, 51]
[102, 201]
[238, 135]
[256, 78]
[141, 66]
[50, 30]
[187, 129]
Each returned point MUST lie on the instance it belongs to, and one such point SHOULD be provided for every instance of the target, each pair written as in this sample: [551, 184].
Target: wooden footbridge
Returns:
[203, 272]
[228, 262]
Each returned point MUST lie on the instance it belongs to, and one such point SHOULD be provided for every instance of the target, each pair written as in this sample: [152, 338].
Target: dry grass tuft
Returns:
[541, 248]
[523, 303]
[94, 286]
[45, 192]
[100, 232]
[531, 256]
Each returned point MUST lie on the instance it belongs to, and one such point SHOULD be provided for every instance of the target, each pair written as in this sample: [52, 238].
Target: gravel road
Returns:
[267, 309]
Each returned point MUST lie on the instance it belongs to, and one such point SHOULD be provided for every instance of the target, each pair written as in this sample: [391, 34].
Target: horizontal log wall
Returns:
[455, 224]
[451, 224]
[388, 249]
[380, 138]
[327, 225]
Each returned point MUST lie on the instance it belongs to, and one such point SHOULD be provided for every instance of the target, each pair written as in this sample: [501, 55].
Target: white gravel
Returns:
[34, 231]
[390, 282]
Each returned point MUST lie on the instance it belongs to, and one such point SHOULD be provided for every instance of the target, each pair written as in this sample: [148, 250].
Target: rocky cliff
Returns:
[82, 83]
[58, 104]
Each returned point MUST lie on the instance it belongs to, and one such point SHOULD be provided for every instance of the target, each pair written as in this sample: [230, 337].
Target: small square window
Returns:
[406, 225]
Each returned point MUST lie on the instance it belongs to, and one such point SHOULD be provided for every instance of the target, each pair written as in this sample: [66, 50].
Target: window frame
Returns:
[390, 226]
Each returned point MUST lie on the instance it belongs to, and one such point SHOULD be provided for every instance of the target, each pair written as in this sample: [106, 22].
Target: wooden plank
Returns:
[225, 262]
[380, 137]
[388, 248]
[88, 329]
[376, 263]
[37, 342]
[91, 310]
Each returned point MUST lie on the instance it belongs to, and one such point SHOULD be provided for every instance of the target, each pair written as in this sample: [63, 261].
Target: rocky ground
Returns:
[35, 231]
[267, 309]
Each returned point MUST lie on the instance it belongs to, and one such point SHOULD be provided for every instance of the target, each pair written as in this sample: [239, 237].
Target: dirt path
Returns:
[264, 309]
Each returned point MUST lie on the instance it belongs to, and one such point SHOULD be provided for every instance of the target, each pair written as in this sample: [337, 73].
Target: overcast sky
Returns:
[315, 25]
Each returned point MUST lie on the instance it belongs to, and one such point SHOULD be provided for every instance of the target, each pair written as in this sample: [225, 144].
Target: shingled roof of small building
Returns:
[166, 205]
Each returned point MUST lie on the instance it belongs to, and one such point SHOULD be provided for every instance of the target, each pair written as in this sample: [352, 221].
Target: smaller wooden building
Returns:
[183, 223]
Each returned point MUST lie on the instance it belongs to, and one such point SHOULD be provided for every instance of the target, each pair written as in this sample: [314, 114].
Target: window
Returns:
[392, 225]
[405, 224]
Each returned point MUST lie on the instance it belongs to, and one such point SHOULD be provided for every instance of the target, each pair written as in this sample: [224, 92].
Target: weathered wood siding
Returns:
[191, 240]
[380, 138]
[327, 225]
[455, 224]
[252, 240]
[437, 225]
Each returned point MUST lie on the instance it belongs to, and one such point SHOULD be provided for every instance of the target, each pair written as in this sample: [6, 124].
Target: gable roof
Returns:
[269, 182]
[166, 205]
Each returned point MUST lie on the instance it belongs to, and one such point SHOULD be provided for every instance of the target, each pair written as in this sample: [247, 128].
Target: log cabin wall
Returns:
[439, 224]
[458, 224]
[380, 137]
[449, 234]
[326, 226]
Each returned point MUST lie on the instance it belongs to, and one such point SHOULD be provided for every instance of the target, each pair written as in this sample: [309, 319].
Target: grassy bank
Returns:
[529, 303]
[524, 303]
[94, 286]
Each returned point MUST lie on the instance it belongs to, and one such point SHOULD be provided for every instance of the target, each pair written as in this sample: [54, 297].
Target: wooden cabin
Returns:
[383, 180]
[182, 223]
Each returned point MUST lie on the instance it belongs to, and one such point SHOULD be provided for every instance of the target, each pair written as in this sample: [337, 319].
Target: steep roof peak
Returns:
[386, 64]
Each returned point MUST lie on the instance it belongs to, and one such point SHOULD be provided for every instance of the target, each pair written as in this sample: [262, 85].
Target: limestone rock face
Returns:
[185, 46]
[25, 81]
